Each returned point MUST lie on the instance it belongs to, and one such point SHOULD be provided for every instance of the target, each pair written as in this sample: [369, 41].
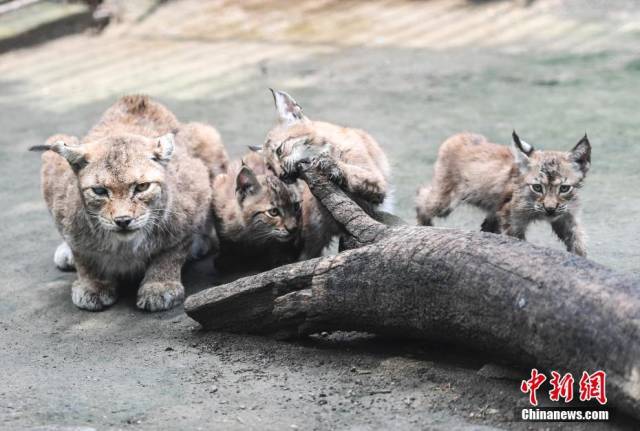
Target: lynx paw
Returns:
[300, 156]
[92, 296]
[329, 167]
[63, 258]
[158, 296]
[371, 191]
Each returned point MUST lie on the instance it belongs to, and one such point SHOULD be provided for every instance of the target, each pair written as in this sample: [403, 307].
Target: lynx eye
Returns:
[142, 187]
[296, 206]
[565, 188]
[100, 191]
[537, 188]
[273, 212]
[279, 150]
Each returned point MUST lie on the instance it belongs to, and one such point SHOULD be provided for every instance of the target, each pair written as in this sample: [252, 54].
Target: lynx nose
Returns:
[550, 210]
[123, 222]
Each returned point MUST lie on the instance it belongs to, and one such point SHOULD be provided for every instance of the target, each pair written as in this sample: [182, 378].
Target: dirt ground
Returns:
[63, 368]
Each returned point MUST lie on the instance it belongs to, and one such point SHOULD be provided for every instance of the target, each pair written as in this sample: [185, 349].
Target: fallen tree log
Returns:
[531, 304]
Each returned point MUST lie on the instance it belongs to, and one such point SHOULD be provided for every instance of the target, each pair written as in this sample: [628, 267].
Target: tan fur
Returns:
[204, 142]
[128, 201]
[363, 168]
[502, 182]
[249, 235]
[357, 163]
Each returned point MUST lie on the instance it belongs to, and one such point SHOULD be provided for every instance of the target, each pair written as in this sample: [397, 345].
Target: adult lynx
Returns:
[128, 202]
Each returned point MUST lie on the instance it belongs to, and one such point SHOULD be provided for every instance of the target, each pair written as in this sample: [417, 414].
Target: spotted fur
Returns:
[514, 187]
[127, 201]
[257, 217]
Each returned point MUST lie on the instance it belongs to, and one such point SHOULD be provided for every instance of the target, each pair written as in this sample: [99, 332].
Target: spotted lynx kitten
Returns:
[129, 200]
[514, 187]
[360, 166]
[257, 217]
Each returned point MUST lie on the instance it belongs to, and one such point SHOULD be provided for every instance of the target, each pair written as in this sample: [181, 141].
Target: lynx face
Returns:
[551, 179]
[121, 179]
[270, 209]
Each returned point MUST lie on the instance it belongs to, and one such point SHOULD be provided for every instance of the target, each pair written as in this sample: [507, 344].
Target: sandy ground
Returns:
[123, 368]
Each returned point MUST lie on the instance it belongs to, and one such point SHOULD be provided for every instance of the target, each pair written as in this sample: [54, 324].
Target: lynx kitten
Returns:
[257, 217]
[363, 168]
[513, 187]
[360, 166]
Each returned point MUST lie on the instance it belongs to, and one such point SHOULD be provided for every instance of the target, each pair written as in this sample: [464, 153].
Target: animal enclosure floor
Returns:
[411, 74]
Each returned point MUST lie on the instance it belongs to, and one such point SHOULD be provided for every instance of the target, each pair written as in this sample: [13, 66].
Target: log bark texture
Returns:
[531, 304]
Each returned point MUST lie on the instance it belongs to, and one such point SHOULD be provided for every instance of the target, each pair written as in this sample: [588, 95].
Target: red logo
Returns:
[591, 386]
[561, 387]
[531, 386]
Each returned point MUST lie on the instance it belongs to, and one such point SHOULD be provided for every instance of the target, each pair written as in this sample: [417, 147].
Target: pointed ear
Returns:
[581, 154]
[163, 148]
[246, 183]
[68, 147]
[522, 146]
[521, 151]
[288, 110]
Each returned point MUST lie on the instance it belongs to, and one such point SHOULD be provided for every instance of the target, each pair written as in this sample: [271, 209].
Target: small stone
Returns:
[169, 349]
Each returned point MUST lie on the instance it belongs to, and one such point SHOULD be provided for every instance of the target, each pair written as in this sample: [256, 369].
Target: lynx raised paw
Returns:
[63, 258]
[325, 164]
[329, 167]
[370, 190]
[300, 154]
[158, 296]
[93, 295]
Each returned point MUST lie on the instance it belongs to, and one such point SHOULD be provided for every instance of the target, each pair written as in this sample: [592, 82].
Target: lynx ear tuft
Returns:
[523, 146]
[71, 151]
[521, 151]
[581, 154]
[288, 110]
[246, 183]
[164, 147]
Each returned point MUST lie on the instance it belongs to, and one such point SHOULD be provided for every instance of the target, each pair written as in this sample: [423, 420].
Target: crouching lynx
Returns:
[513, 187]
[129, 200]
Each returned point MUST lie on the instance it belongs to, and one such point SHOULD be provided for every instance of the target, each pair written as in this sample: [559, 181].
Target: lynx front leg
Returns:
[491, 224]
[570, 232]
[90, 293]
[161, 288]
[514, 225]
